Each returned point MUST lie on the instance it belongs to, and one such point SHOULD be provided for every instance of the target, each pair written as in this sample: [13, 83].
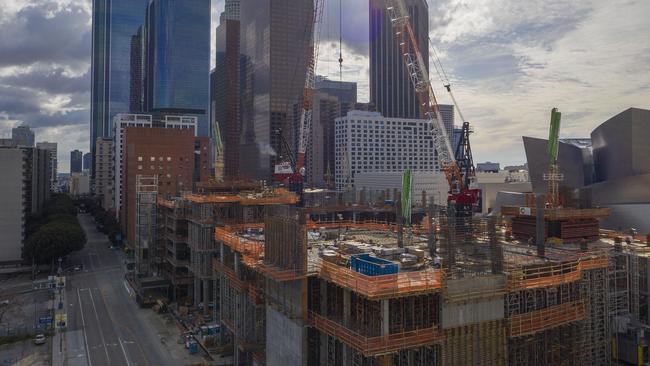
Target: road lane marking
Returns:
[99, 326]
[83, 323]
[124, 351]
[127, 288]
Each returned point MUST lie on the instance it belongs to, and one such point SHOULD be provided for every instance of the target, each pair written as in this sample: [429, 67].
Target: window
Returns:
[139, 158]
[152, 158]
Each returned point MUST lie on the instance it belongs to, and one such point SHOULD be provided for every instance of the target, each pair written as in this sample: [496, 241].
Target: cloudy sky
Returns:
[510, 62]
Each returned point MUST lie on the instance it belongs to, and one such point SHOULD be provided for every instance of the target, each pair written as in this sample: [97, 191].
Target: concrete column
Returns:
[323, 297]
[347, 352]
[346, 307]
[385, 318]
[197, 290]
[206, 297]
[236, 265]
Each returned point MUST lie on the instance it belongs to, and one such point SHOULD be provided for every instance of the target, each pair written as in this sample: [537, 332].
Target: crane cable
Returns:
[442, 74]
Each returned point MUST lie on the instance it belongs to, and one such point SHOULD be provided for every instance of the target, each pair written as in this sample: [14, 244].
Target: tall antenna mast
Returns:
[340, 42]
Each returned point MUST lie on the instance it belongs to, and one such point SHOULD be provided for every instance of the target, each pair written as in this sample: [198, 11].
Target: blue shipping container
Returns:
[372, 266]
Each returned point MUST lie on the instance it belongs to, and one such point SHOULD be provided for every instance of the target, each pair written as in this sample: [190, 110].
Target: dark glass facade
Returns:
[178, 59]
[390, 87]
[76, 159]
[225, 90]
[114, 24]
[273, 81]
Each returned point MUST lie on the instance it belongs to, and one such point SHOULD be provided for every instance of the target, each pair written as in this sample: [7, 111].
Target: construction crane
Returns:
[217, 153]
[293, 171]
[461, 191]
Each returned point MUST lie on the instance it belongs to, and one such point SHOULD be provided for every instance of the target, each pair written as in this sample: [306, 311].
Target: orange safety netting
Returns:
[279, 196]
[239, 244]
[550, 317]
[235, 282]
[383, 286]
[371, 346]
[552, 275]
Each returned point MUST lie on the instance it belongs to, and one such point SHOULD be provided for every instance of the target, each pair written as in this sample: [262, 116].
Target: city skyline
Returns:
[503, 64]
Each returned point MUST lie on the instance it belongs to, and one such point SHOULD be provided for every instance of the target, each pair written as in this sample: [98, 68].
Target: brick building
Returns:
[175, 157]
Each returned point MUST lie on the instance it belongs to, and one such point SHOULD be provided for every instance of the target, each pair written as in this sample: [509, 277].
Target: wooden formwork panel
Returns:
[477, 344]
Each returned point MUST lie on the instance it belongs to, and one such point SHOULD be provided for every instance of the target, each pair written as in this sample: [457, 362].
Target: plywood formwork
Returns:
[476, 344]
[373, 346]
[556, 346]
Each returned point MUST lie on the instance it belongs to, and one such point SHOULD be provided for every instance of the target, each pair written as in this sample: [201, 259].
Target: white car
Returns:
[40, 339]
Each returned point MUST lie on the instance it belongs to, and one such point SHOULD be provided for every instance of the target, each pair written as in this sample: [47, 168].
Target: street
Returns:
[105, 325]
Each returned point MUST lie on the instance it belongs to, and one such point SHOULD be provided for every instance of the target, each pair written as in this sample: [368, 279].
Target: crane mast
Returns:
[460, 191]
[295, 175]
[417, 72]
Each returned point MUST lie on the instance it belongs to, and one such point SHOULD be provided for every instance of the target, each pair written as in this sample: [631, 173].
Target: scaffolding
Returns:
[146, 193]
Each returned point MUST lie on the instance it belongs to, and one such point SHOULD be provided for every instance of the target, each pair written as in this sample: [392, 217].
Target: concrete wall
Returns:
[489, 193]
[11, 204]
[473, 300]
[285, 340]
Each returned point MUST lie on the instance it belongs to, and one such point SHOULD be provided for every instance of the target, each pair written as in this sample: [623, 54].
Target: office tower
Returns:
[344, 91]
[390, 87]
[87, 160]
[448, 117]
[51, 147]
[137, 70]
[114, 23]
[23, 136]
[104, 173]
[320, 157]
[275, 41]
[76, 161]
[225, 82]
[332, 99]
[177, 79]
[367, 142]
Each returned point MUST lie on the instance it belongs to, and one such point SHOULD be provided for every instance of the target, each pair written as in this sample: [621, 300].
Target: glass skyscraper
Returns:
[114, 24]
[178, 59]
[275, 39]
[391, 89]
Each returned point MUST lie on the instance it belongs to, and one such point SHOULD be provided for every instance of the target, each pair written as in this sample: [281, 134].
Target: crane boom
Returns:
[304, 128]
[417, 72]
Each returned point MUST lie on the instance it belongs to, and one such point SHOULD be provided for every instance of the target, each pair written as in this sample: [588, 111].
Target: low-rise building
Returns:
[24, 188]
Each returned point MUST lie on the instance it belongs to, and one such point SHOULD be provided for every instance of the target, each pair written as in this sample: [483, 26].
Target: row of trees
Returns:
[106, 222]
[53, 233]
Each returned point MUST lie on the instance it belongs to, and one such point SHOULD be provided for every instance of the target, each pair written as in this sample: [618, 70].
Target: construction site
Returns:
[316, 277]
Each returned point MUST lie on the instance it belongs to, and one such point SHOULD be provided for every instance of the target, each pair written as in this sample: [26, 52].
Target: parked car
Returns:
[40, 339]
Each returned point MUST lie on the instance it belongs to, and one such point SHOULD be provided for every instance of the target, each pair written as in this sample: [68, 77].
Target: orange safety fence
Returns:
[278, 196]
[383, 286]
[551, 317]
[235, 282]
[371, 346]
[553, 274]
[239, 244]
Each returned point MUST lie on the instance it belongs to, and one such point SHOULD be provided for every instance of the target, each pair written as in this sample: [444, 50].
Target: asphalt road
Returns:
[104, 325]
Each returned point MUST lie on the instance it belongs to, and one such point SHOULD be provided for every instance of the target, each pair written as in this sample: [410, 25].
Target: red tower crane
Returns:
[458, 168]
